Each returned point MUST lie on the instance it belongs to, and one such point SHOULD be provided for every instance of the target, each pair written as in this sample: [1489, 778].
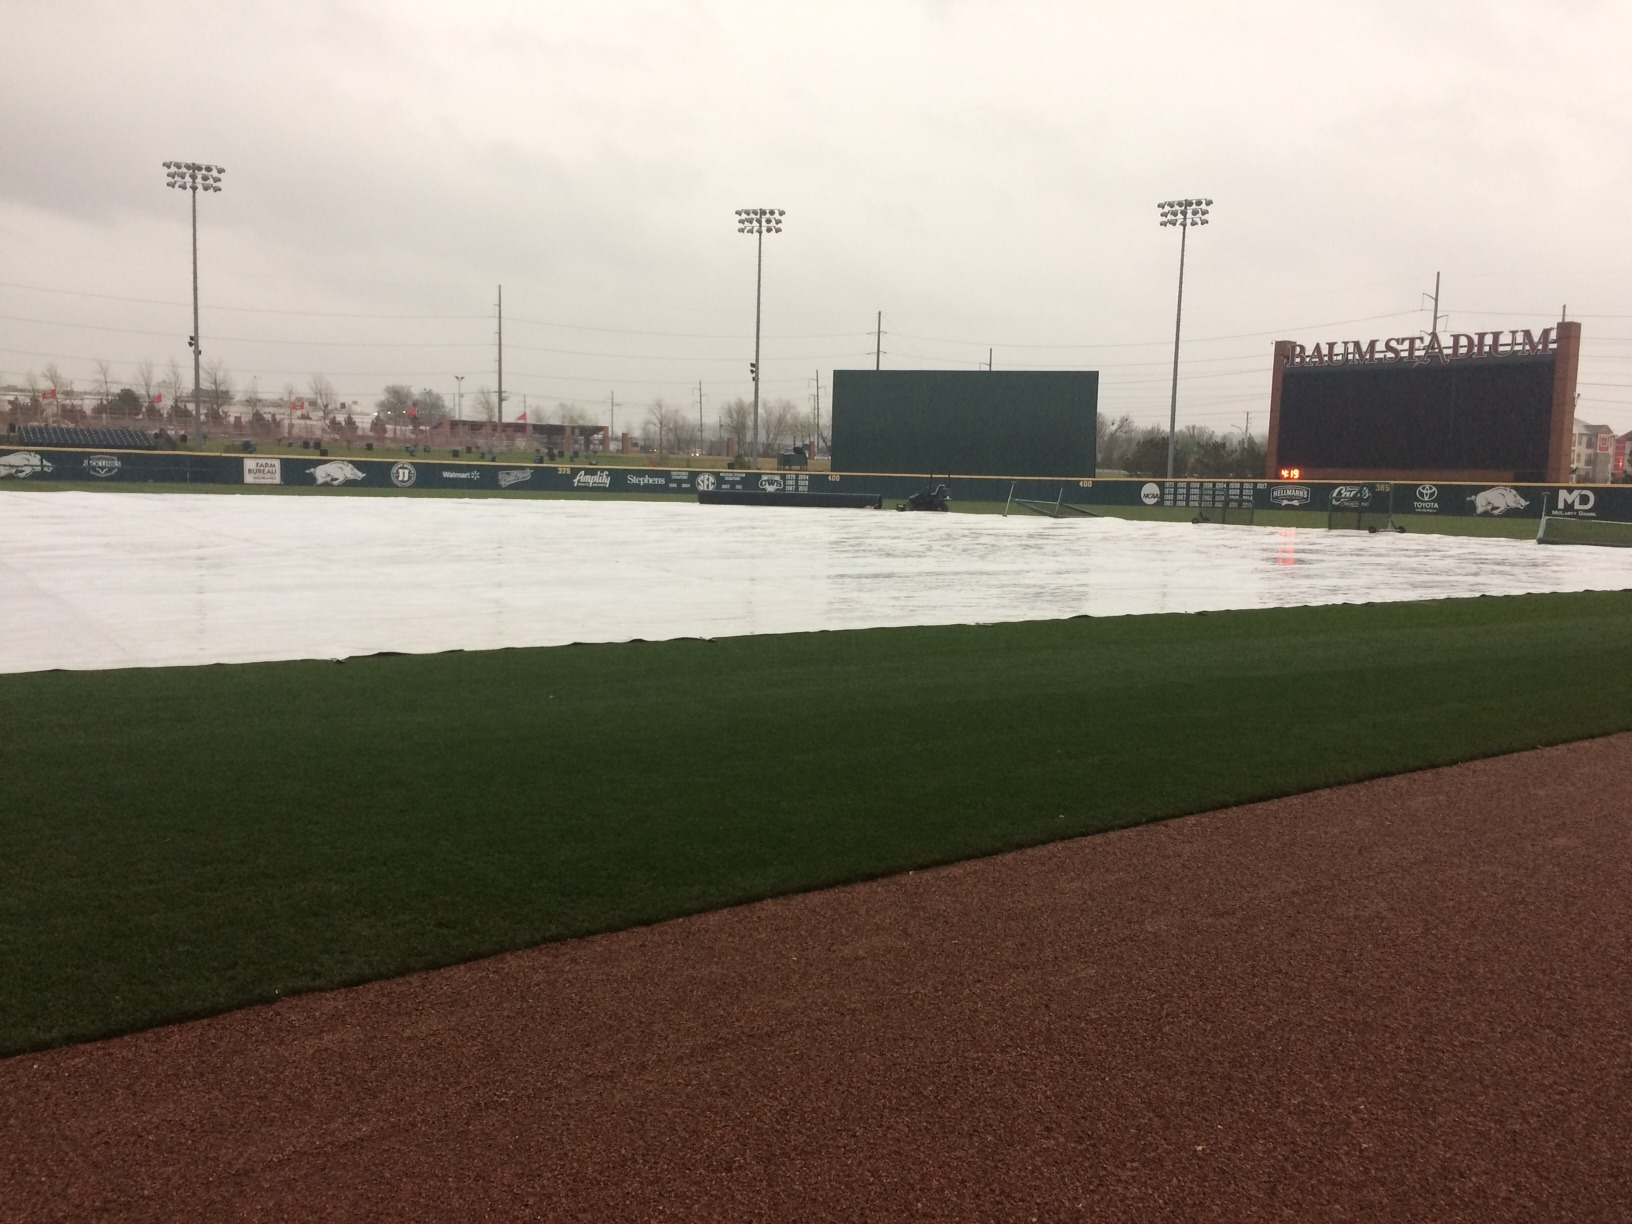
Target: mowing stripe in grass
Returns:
[182, 841]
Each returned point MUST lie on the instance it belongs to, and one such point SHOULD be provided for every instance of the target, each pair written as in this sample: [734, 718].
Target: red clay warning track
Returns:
[1406, 999]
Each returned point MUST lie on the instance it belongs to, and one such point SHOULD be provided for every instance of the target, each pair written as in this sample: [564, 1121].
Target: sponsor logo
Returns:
[1289, 495]
[771, 484]
[1577, 501]
[705, 482]
[1150, 494]
[403, 474]
[263, 471]
[514, 476]
[1497, 501]
[336, 473]
[103, 465]
[638, 478]
[22, 463]
[592, 480]
[1427, 493]
[1426, 499]
[450, 474]
[1351, 497]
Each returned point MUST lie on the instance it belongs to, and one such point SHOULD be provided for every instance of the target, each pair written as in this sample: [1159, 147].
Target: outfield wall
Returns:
[409, 475]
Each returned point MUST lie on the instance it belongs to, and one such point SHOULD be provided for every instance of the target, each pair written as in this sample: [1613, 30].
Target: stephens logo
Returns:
[514, 476]
[103, 465]
[1289, 495]
[1351, 497]
[1150, 494]
[592, 480]
[637, 478]
[705, 482]
[403, 474]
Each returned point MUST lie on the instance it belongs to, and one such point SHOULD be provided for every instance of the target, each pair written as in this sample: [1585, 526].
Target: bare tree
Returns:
[147, 380]
[684, 435]
[173, 381]
[218, 379]
[487, 405]
[104, 384]
[776, 425]
[660, 422]
[737, 421]
[320, 393]
[60, 386]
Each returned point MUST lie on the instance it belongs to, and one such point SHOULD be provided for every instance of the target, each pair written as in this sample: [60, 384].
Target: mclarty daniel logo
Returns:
[592, 480]
[1289, 495]
[514, 476]
[1576, 503]
[103, 465]
[403, 474]
[640, 478]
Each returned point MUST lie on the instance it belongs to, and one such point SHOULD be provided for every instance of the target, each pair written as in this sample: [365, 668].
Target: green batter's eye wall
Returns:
[980, 422]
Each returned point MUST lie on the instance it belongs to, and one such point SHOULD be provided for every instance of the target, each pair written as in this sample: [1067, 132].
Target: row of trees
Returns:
[1141, 450]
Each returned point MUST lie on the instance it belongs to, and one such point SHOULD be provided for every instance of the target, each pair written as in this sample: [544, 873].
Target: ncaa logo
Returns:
[403, 474]
[1150, 494]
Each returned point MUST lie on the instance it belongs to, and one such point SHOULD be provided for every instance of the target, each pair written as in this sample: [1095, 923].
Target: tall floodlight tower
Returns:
[194, 177]
[758, 222]
[1184, 214]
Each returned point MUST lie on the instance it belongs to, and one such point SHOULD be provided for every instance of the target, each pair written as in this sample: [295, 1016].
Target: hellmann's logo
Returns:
[1289, 495]
[592, 480]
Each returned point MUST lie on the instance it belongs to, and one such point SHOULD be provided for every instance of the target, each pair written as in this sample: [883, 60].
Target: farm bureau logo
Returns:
[1497, 501]
[403, 474]
[336, 473]
[103, 465]
[1351, 497]
[1289, 495]
[1150, 494]
[771, 484]
[23, 463]
[705, 482]
[514, 476]
[592, 480]
[636, 478]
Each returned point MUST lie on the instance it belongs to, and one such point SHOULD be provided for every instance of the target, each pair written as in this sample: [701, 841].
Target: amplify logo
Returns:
[1289, 495]
[592, 480]
[514, 476]
[103, 465]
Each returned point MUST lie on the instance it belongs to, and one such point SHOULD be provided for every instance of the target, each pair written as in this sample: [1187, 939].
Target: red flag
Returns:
[159, 398]
[522, 417]
[49, 393]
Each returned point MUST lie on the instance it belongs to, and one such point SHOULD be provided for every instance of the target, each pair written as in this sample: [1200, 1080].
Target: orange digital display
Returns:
[1291, 473]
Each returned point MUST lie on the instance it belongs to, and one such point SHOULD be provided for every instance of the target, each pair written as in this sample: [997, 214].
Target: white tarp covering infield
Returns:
[96, 580]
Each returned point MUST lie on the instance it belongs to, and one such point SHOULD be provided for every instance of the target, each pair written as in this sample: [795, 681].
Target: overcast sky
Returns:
[985, 174]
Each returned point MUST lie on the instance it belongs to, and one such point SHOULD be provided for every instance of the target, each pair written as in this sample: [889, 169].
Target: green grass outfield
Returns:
[176, 842]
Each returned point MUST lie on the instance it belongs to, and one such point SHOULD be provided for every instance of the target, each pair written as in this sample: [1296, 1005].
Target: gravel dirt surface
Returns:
[1406, 999]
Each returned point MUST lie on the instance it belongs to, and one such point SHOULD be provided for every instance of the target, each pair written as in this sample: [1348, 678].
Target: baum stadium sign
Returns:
[1417, 351]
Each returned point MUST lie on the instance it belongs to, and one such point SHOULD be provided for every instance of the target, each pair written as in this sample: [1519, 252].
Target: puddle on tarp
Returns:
[146, 580]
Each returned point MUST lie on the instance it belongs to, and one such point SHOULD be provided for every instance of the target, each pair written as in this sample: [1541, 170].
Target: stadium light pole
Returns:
[758, 222]
[193, 176]
[1184, 214]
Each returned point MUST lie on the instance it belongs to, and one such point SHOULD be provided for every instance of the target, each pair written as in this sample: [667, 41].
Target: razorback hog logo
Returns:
[335, 473]
[1497, 501]
[23, 463]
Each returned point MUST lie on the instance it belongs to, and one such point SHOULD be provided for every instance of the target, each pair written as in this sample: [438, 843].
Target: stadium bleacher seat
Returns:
[89, 437]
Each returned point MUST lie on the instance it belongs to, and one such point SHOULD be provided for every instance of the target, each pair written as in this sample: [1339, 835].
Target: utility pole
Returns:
[612, 429]
[1433, 329]
[878, 341]
[699, 416]
[1183, 214]
[191, 177]
[499, 407]
[988, 361]
[816, 442]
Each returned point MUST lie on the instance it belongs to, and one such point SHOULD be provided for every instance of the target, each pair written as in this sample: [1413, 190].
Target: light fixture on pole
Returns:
[1184, 214]
[758, 222]
[194, 177]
